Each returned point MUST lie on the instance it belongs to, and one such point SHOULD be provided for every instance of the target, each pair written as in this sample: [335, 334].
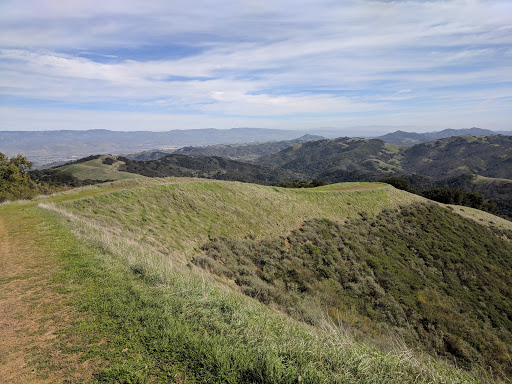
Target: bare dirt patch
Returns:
[31, 311]
[355, 188]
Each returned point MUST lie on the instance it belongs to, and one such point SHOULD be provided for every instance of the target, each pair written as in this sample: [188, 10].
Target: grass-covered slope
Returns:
[100, 168]
[438, 280]
[140, 311]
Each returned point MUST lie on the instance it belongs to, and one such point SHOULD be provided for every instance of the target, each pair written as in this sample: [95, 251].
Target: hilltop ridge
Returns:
[208, 280]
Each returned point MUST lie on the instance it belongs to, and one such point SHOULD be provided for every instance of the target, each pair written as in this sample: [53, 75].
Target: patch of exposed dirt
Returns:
[354, 188]
[32, 312]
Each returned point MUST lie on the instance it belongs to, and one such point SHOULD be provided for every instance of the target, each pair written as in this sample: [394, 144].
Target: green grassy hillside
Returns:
[142, 307]
[339, 159]
[102, 168]
[349, 158]
[489, 156]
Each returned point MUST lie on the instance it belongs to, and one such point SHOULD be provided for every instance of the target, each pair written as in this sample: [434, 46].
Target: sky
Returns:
[167, 64]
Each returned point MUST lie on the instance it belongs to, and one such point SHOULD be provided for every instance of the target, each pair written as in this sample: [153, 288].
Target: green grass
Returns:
[422, 273]
[96, 170]
[141, 314]
[178, 218]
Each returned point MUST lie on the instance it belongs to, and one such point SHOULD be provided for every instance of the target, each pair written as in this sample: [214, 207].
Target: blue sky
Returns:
[160, 65]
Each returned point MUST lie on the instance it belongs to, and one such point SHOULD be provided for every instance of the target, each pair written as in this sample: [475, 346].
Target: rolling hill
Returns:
[211, 167]
[244, 152]
[480, 164]
[410, 138]
[339, 159]
[43, 147]
[191, 280]
[489, 156]
[455, 162]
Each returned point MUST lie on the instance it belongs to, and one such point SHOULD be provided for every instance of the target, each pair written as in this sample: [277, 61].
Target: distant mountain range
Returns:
[245, 151]
[411, 138]
[45, 147]
[48, 146]
[346, 158]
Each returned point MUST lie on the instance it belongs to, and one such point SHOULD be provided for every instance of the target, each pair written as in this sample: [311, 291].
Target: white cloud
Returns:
[259, 58]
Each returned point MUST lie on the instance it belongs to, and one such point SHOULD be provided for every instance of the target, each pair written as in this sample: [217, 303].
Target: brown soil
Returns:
[31, 311]
[354, 188]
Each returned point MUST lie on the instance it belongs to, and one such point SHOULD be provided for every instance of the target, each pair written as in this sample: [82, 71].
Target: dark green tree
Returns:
[397, 182]
[15, 182]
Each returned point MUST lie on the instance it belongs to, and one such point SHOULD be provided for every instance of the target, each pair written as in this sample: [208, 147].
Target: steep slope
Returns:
[427, 284]
[498, 190]
[423, 273]
[137, 309]
[411, 138]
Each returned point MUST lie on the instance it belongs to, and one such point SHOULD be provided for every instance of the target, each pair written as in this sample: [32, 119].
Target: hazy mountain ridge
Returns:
[213, 167]
[245, 152]
[48, 146]
[45, 147]
[410, 138]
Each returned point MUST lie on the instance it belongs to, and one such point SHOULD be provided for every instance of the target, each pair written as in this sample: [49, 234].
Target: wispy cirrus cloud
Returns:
[336, 63]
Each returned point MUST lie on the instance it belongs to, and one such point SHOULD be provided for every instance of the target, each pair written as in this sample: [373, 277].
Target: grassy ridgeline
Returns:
[101, 168]
[148, 320]
[182, 217]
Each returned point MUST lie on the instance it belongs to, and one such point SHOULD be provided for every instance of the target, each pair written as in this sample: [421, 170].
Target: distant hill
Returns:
[411, 138]
[341, 159]
[211, 167]
[245, 152]
[480, 164]
[45, 147]
[489, 156]
[345, 158]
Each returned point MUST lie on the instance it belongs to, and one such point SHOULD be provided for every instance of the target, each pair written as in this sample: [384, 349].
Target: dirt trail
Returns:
[31, 311]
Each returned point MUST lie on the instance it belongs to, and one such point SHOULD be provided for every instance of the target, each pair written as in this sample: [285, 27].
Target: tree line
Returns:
[445, 195]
